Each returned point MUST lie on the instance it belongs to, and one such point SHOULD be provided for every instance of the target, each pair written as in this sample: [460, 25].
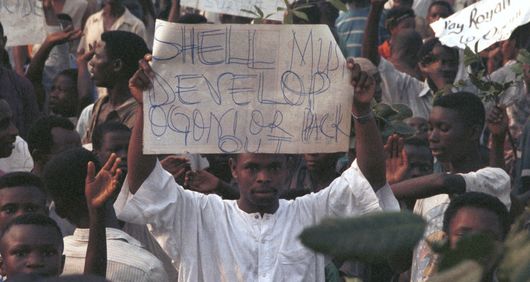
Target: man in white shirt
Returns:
[14, 154]
[253, 238]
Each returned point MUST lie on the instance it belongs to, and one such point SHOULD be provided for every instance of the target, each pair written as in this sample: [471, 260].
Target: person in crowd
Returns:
[64, 176]
[260, 178]
[397, 20]
[21, 193]
[350, 27]
[437, 10]
[114, 62]
[438, 63]
[455, 126]
[4, 56]
[31, 244]
[14, 153]
[48, 137]
[404, 53]
[113, 16]
[477, 213]
[317, 12]
[420, 125]
[18, 92]
[111, 138]
[64, 100]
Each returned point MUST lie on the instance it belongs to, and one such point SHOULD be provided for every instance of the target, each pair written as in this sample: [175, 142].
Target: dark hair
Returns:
[125, 46]
[104, 128]
[192, 19]
[425, 53]
[71, 74]
[444, 4]
[468, 106]
[21, 178]
[34, 219]
[396, 15]
[64, 176]
[478, 200]
[1, 29]
[40, 134]
[409, 42]
[64, 17]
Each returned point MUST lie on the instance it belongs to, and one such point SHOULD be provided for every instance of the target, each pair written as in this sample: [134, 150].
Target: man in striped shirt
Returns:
[350, 27]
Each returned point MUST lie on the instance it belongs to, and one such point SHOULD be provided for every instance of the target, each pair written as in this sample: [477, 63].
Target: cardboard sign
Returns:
[247, 88]
[235, 7]
[482, 24]
[23, 21]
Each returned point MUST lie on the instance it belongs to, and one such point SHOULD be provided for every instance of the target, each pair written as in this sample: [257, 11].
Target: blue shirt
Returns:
[350, 29]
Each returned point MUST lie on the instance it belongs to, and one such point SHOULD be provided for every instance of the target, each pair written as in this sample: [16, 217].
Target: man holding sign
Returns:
[255, 237]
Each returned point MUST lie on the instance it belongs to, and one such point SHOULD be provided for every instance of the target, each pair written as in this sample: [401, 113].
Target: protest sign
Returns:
[236, 7]
[23, 21]
[247, 88]
[482, 24]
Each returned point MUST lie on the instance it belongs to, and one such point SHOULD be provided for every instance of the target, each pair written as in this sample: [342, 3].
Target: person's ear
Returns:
[117, 65]
[232, 163]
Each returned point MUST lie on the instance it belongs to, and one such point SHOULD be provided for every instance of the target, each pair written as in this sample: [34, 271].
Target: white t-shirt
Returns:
[211, 239]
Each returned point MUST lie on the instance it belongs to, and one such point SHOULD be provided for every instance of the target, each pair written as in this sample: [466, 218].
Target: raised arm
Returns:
[429, 185]
[98, 191]
[369, 144]
[497, 121]
[371, 32]
[174, 11]
[139, 166]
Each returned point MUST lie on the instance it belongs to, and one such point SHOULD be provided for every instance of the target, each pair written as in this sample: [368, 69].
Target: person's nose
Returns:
[35, 260]
[264, 176]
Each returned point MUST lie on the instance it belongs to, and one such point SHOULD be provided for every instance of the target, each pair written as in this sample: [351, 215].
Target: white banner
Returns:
[23, 21]
[247, 88]
[483, 23]
[235, 7]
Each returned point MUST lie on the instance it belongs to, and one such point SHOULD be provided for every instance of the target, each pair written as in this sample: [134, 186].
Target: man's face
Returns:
[449, 138]
[115, 142]
[63, 96]
[436, 12]
[420, 161]
[31, 249]
[101, 66]
[448, 63]
[473, 220]
[8, 130]
[19, 200]
[261, 178]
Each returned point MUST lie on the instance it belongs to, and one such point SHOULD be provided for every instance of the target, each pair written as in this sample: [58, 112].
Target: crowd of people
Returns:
[80, 200]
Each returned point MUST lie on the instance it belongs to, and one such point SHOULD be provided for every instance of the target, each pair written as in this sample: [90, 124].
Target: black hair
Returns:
[477, 200]
[315, 10]
[468, 106]
[409, 42]
[64, 17]
[64, 176]
[21, 178]
[396, 15]
[192, 19]
[1, 29]
[104, 128]
[425, 55]
[34, 219]
[40, 134]
[444, 4]
[125, 46]
[71, 74]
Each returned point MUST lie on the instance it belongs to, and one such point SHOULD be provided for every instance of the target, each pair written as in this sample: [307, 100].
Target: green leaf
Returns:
[369, 238]
[384, 110]
[250, 12]
[523, 56]
[301, 15]
[470, 57]
[260, 12]
[517, 68]
[402, 128]
[279, 9]
[339, 5]
[403, 112]
[288, 18]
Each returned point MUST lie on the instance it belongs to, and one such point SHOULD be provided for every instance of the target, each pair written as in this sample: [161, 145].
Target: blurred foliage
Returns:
[467, 271]
[370, 238]
[515, 265]
[290, 12]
